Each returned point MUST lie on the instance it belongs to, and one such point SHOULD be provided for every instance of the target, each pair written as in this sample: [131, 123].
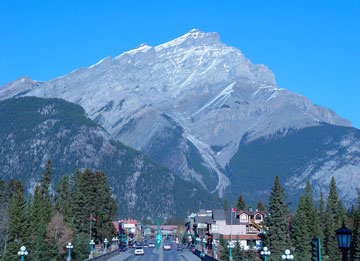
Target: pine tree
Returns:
[226, 204]
[44, 192]
[62, 197]
[18, 223]
[260, 206]
[355, 239]
[276, 224]
[240, 203]
[91, 196]
[4, 220]
[238, 252]
[81, 248]
[300, 233]
[250, 253]
[332, 222]
[41, 249]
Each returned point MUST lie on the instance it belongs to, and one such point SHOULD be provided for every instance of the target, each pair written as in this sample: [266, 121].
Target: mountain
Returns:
[36, 129]
[187, 104]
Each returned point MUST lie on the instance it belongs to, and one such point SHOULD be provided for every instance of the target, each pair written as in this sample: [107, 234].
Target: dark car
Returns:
[131, 245]
[192, 248]
[179, 247]
[122, 248]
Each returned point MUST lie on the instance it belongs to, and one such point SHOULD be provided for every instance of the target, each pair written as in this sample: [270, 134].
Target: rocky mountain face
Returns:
[188, 104]
[36, 129]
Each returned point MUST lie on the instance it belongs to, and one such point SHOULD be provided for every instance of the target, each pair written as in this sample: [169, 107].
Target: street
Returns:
[150, 254]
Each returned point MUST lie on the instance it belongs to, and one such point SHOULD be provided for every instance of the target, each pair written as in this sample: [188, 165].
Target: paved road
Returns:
[152, 255]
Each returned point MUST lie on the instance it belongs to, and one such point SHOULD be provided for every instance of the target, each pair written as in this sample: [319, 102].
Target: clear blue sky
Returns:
[313, 47]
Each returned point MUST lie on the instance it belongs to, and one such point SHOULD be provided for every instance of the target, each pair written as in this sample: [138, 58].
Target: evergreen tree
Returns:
[91, 196]
[240, 203]
[18, 223]
[238, 252]
[332, 222]
[41, 250]
[44, 192]
[250, 253]
[276, 223]
[355, 239]
[260, 206]
[81, 248]
[301, 236]
[4, 219]
[305, 225]
[62, 197]
[226, 204]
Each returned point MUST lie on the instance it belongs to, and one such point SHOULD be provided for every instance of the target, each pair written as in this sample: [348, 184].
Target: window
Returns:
[243, 217]
[258, 217]
[215, 227]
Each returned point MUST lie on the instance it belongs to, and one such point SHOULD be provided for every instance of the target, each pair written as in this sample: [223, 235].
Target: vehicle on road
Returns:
[122, 248]
[139, 250]
[131, 245]
[152, 245]
[179, 247]
[192, 248]
[167, 247]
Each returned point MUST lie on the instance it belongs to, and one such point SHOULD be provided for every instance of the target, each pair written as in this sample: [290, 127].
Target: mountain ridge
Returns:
[208, 89]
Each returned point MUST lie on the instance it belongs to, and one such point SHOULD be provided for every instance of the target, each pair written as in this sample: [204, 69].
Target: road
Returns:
[162, 255]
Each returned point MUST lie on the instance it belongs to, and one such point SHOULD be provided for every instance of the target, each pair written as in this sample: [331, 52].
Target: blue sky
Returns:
[313, 47]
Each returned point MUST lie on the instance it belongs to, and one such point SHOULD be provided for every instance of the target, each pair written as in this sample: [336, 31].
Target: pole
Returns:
[265, 258]
[90, 226]
[344, 254]
[22, 258]
[231, 226]
[69, 257]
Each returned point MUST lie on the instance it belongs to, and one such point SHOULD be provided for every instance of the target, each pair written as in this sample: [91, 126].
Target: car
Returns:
[152, 245]
[145, 245]
[179, 247]
[131, 245]
[122, 248]
[139, 250]
[167, 247]
[192, 248]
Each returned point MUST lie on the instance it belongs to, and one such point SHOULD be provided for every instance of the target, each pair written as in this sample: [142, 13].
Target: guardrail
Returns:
[206, 257]
[106, 256]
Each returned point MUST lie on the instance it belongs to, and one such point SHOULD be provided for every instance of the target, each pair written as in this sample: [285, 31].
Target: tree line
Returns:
[47, 220]
[284, 230]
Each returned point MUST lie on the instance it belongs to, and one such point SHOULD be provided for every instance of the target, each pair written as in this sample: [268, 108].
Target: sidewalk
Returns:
[189, 256]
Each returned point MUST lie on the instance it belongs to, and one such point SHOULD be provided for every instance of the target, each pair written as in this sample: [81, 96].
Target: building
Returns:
[240, 225]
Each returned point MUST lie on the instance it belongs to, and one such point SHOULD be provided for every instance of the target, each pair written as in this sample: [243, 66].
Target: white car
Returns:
[167, 247]
[151, 245]
[139, 250]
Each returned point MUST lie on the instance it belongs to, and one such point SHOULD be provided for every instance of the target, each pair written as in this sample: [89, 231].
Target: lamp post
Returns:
[265, 252]
[231, 246]
[92, 243]
[113, 243]
[23, 252]
[69, 247]
[105, 241]
[344, 238]
[204, 245]
[214, 248]
[197, 240]
[287, 255]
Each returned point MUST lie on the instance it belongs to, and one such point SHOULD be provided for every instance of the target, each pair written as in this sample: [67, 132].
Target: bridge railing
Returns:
[105, 256]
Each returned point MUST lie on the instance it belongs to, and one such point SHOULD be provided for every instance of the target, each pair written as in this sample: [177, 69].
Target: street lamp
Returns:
[287, 255]
[69, 246]
[214, 248]
[344, 238]
[23, 252]
[105, 241]
[113, 241]
[92, 243]
[265, 252]
[204, 242]
[231, 246]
